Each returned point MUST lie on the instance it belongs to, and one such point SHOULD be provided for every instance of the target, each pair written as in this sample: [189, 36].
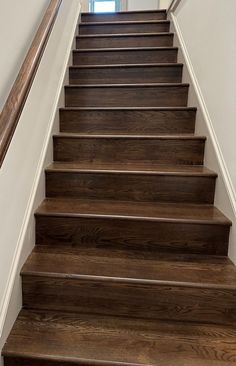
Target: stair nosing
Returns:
[117, 35]
[128, 109]
[126, 280]
[207, 174]
[72, 360]
[145, 65]
[56, 274]
[143, 137]
[125, 49]
[226, 222]
[131, 85]
[126, 22]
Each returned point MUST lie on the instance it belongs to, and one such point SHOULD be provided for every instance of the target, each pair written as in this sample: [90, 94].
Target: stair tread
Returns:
[106, 136]
[128, 108]
[126, 49]
[141, 85]
[184, 170]
[99, 340]
[123, 22]
[107, 265]
[124, 34]
[126, 65]
[167, 212]
[86, 252]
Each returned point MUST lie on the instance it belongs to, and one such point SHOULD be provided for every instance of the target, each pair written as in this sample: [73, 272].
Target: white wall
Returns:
[19, 21]
[143, 4]
[22, 174]
[164, 4]
[84, 5]
[207, 33]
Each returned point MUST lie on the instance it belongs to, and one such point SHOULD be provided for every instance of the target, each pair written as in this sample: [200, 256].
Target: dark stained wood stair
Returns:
[125, 40]
[158, 149]
[130, 266]
[151, 73]
[125, 16]
[116, 120]
[131, 182]
[181, 228]
[125, 27]
[127, 95]
[119, 341]
[110, 56]
[136, 285]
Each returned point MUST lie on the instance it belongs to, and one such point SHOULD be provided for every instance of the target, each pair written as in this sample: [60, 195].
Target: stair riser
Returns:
[99, 224]
[165, 151]
[126, 96]
[18, 361]
[135, 299]
[123, 17]
[122, 75]
[184, 343]
[127, 121]
[124, 28]
[125, 41]
[124, 57]
[132, 234]
[131, 187]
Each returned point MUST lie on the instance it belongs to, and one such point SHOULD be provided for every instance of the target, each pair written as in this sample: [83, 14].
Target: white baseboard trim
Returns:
[29, 212]
[219, 155]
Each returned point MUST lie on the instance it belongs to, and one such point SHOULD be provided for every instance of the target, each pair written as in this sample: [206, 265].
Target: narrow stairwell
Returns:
[130, 265]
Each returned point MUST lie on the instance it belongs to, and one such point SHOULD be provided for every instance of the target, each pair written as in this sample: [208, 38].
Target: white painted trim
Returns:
[219, 155]
[124, 5]
[30, 206]
[170, 6]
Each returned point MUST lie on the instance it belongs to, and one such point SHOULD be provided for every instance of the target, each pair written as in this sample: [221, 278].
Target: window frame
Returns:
[92, 4]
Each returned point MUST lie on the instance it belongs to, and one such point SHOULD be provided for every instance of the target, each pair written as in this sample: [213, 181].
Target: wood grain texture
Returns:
[130, 266]
[127, 233]
[119, 341]
[151, 26]
[127, 95]
[190, 270]
[203, 214]
[128, 120]
[15, 102]
[123, 149]
[120, 74]
[124, 16]
[130, 183]
[118, 298]
[124, 56]
[171, 228]
[170, 288]
[125, 40]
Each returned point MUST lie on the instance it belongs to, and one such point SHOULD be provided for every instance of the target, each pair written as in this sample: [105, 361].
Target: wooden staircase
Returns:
[130, 265]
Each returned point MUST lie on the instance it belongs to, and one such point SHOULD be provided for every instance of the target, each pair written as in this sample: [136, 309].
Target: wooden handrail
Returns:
[173, 5]
[16, 100]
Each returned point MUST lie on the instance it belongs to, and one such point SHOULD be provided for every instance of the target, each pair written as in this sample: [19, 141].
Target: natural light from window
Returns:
[104, 6]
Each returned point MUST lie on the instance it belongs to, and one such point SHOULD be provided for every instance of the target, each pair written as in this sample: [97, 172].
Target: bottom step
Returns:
[64, 339]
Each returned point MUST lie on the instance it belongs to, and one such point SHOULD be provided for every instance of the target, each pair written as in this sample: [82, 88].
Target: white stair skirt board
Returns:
[225, 197]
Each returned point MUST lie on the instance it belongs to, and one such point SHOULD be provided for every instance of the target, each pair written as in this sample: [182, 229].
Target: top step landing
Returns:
[124, 16]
